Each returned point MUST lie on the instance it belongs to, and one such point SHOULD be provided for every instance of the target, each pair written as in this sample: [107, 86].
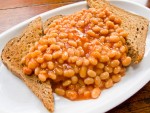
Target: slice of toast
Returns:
[18, 47]
[135, 25]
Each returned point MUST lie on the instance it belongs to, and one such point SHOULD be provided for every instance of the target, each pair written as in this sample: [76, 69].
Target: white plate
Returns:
[15, 97]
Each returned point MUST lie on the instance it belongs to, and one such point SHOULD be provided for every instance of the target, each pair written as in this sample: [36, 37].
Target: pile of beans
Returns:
[81, 54]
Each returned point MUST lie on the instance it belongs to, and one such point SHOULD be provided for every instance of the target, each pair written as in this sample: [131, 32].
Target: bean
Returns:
[52, 75]
[124, 34]
[43, 65]
[66, 83]
[81, 90]
[47, 57]
[117, 70]
[60, 91]
[72, 43]
[97, 81]
[42, 77]
[96, 54]
[108, 83]
[83, 71]
[37, 71]
[94, 20]
[91, 33]
[58, 71]
[111, 53]
[102, 15]
[92, 61]
[87, 94]
[110, 24]
[117, 20]
[54, 47]
[61, 61]
[126, 61]
[114, 39]
[71, 94]
[117, 44]
[32, 64]
[35, 53]
[95, 93]
[80, 23]
[40, 59]
[42, 48]
[74, 79]
[51, 41]
[89, 81]
[108, 69]
[43, 72]
[27, 70]
[76, 69]
[56, 54]
[70, 52]
[104, 58]
[100, 65]
[73, 59]
[43, 41]
[79, 62]
[116, 78]
[65, 56]
[104, 75]
[104, 31]
[85, 62]
[112, 17]
[96, 28]
[91, 73]
[63, 35]
[69, 73]
[114, 63]
[118, 55]
[122, 49]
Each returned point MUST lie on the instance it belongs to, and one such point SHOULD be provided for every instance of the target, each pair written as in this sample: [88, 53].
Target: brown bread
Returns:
[18, 47]
[135, 25]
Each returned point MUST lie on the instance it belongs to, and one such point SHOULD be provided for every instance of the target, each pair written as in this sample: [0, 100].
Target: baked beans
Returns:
[81, 54]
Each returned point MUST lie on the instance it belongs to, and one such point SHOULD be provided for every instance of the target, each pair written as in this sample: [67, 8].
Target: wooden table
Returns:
[13, 12]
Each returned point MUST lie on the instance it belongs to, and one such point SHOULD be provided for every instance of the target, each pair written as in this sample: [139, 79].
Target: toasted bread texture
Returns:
[135, 25]
[18, 47]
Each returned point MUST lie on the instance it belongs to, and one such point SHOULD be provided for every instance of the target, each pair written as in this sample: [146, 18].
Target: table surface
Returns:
[13, 12]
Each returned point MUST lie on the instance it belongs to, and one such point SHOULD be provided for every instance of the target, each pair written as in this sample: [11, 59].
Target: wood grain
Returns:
[138, 103]
[13, 12]
[7, 4]
[11, 17]
[148, 4]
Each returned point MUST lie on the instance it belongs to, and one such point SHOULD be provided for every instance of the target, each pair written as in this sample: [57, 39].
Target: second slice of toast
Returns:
[136, 26]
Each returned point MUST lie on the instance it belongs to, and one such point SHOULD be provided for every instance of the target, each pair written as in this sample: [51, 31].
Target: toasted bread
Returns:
[135, 25]
[18, 47]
